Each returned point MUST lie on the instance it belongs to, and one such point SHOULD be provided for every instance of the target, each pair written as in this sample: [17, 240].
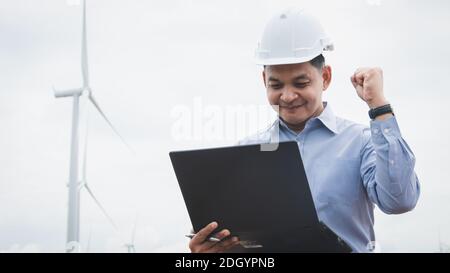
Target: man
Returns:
[350, 167]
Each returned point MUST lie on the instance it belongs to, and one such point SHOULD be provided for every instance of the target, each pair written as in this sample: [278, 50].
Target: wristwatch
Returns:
[385, 109]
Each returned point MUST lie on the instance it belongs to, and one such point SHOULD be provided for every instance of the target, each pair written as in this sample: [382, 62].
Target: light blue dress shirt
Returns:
[351, 168]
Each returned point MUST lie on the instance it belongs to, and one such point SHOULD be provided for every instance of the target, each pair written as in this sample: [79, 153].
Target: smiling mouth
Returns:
[293, 107]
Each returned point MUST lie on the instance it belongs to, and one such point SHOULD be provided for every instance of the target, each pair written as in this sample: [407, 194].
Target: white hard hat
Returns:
[290, 37]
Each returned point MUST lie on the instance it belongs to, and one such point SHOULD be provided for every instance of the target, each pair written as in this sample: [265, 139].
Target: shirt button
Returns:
[387, 130]
[392, 162]
[375, 131]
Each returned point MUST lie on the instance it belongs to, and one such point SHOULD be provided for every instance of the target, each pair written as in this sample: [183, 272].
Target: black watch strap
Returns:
[385, 109]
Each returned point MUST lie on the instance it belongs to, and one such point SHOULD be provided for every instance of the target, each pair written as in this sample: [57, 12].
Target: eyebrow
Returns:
[300, 77]
[273, 79]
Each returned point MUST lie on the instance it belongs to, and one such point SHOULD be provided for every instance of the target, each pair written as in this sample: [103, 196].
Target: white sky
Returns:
[146, 57]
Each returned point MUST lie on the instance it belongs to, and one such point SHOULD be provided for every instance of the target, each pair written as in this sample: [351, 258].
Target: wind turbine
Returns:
[130, 246]
[75, 184]
[443, 248]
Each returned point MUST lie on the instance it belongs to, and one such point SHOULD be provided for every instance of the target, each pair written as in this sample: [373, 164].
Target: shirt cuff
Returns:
[383, 129]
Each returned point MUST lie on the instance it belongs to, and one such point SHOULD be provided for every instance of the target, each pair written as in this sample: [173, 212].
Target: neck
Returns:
[297, 128]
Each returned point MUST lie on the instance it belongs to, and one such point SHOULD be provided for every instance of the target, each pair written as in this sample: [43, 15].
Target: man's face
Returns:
[297, 90]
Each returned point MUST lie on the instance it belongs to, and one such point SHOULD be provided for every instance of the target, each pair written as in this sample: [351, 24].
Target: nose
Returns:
[288, 96]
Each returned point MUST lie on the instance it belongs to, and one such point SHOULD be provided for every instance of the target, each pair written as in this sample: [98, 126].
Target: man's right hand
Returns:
[200, 244]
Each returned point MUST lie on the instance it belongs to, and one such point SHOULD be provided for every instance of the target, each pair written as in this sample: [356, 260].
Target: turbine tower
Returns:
[75, 183]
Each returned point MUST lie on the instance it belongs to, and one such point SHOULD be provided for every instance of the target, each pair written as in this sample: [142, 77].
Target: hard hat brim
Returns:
[281, 61]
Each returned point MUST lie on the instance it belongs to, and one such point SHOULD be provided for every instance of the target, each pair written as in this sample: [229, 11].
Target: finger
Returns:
[201, 236]
[227, 244]
[224, 245]
[360, 77]
[222, 234]
[353, 80]
[361, 70]
[219, 235]
[357, 80]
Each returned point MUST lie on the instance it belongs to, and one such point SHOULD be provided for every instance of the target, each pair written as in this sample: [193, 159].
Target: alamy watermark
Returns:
[209, 122]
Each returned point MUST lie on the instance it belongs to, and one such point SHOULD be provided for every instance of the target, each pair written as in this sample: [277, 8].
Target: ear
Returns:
[327, 76]
[264, 77]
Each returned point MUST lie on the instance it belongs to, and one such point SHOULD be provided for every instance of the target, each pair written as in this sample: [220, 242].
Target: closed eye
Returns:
[301, 85]
[276, 86]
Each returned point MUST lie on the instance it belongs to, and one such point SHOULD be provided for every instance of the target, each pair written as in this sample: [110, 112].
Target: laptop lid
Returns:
[245, 189]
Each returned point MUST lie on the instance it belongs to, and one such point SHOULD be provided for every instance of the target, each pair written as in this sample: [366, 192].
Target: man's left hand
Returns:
[368, 83]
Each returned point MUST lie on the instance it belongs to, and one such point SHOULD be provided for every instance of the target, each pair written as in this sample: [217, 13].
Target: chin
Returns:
[293, 119]
[296, 117]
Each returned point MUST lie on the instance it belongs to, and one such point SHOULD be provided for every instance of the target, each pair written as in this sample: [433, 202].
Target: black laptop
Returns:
[263, 197]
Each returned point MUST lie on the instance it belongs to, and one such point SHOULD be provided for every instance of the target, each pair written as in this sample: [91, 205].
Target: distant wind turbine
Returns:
[443, 248]
[75, 184]
[130, 246]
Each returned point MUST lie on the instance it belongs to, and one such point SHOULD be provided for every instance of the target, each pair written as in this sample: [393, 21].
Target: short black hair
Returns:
[318, 62]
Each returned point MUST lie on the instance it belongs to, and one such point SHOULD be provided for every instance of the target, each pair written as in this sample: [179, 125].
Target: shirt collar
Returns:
[327, 118]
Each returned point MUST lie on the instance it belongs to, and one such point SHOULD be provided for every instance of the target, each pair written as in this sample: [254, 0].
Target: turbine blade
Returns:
[84, 53]
[95, 103]
[86, 186]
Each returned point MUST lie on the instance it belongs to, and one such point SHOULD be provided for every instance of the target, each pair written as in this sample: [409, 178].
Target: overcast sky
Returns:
[148, 57]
